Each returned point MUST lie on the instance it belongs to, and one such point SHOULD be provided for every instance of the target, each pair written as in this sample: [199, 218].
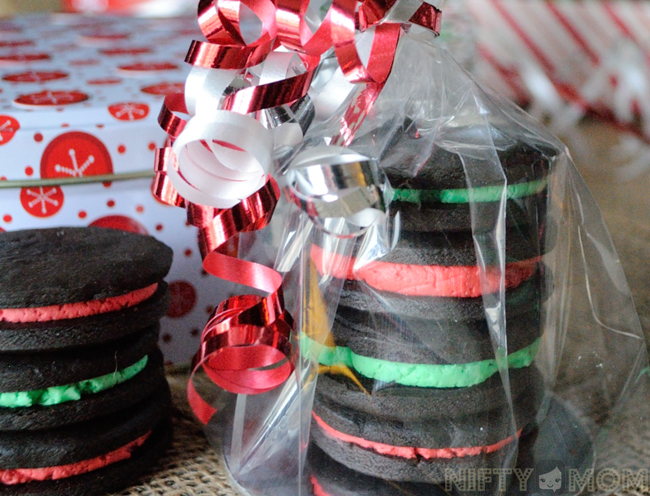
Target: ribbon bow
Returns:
[249, 82]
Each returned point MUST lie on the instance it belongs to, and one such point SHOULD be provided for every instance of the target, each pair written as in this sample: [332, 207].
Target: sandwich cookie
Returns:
[436, 196]
[329, 478]
[94, 457]
[417, 451]
[67, 287]
[436, 342]
[413, 403]
[432, 368]
[45, 390]
[436, 277]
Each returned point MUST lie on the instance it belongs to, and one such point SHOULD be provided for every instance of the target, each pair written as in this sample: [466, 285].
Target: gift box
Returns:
[79, 100]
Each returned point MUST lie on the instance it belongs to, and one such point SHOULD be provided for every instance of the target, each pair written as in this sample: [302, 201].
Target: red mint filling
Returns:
[454, 281]
[317, 488]
[76, 310]
[23, 475]
[412, 453]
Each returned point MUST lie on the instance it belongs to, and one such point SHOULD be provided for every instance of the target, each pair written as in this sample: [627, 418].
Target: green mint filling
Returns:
[481, 194]
[56, 395]
[422, 375]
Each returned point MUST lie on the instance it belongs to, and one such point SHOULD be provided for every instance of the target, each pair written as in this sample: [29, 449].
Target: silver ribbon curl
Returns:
[336, 183]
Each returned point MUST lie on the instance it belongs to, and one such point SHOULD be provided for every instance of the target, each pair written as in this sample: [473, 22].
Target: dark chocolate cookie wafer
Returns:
[93, 457]
[518, 300]
[46, 389]
[42, 267]
[91, 405]
[459, 249]
[113, 478]
[415, 341]
[435, 249]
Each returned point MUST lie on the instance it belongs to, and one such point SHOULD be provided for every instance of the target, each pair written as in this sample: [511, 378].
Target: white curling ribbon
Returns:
[221, 176]
[276, 66]
[329, 89]
[204, 89]
[193, 86]
[312, 17]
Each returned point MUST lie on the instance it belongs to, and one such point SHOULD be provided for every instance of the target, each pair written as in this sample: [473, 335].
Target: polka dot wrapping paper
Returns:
[79, 100]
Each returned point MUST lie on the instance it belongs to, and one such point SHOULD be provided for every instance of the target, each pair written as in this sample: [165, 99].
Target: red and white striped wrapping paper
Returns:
[80, 96]
[568, 40]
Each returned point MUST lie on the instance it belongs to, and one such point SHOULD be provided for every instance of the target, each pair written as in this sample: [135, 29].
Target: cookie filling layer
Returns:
[481, 194]
[56, 395]
[317, 488]
[423, 375]
[24, 475]
[76, 310]
[409, 452]
[424, 280]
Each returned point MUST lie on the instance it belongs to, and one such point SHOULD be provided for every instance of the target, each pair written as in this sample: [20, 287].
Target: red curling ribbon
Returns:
[171, 123]
[266, 96]
[225, 48]
[213, 56]
[382, 52]
[428, 16]
[161, 187]
[219, 22]
[373, 11]
[245, 346]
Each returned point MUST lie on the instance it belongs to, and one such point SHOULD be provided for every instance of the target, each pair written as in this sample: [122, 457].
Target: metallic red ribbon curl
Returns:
[245, 347]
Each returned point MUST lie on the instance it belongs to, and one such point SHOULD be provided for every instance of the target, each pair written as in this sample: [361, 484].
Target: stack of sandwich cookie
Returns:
[82, 382]
[409, 382]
